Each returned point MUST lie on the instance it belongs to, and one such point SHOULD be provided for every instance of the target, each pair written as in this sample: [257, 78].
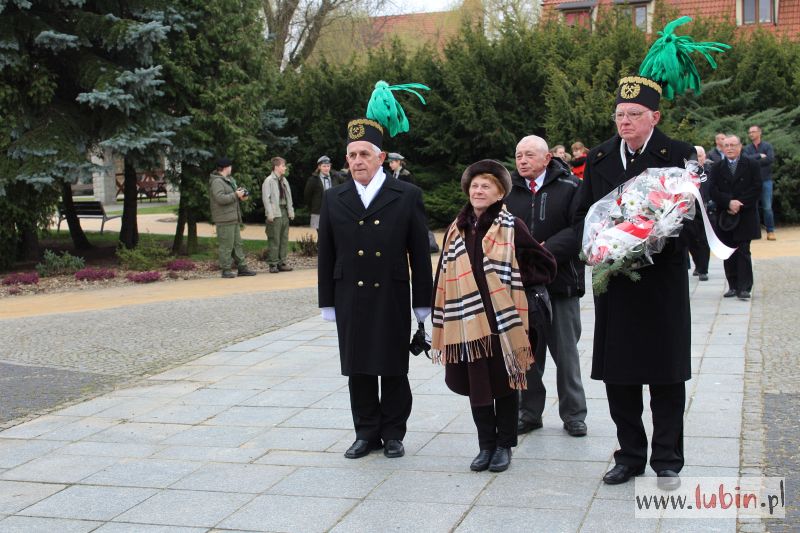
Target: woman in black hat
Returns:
[480, 318]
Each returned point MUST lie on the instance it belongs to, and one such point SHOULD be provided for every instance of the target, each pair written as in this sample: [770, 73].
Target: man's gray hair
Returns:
[374, 149]
[537, 141]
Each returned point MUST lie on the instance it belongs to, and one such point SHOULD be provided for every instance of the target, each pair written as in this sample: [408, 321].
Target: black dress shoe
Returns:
[703, 277]
[730, 294]
[695, 273]
[621, 474]
[668, 480]
[246, 272]
[576, 428]
[743, 295]
[501, 459]
[526, 426]
[481, 461]
[361, 448]
[393, 449]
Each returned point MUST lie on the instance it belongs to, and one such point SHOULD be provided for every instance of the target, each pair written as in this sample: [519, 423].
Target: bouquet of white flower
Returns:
[625, 228]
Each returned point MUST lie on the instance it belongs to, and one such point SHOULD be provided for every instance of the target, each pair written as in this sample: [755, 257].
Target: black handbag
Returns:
[540, 315]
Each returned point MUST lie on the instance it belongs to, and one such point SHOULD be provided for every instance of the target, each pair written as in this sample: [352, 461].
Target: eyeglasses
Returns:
[619, 116]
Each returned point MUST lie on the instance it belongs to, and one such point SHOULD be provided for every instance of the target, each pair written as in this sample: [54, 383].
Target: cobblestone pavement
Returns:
[80, 354]
[251, 435]
[778, 294]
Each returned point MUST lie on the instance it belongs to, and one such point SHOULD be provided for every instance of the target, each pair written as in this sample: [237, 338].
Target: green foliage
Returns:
[550, 80]
[76, 77]
[219, 73]
[150, 254]
[54, 264]
[443, 204]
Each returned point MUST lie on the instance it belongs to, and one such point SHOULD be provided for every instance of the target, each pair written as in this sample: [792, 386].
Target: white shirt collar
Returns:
[623, 146]
[370, 190]
[539, 180]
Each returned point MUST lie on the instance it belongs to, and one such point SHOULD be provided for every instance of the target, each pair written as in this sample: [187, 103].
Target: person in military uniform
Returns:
[320, 181]
[225, 198]
[397, 164]
[371, 230]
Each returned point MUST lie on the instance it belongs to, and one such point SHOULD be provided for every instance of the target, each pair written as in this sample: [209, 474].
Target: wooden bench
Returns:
[93, 209]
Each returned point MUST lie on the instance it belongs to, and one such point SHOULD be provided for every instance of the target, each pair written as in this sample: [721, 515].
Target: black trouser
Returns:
[667, 403]
[739, 268]
[380, 417]
[698, 244]
[497, 424]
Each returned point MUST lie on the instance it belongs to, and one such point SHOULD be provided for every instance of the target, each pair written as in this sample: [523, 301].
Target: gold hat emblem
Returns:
[356, 132]
[629, 90]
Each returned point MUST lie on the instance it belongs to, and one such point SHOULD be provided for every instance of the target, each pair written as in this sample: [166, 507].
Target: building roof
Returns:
[788, 16]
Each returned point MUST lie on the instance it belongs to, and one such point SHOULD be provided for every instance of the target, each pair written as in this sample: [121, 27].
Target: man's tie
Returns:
[533, 187]
[732, 166]
[326, 184]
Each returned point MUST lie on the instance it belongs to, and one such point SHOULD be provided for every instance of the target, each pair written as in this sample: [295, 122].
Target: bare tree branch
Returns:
[294, 26]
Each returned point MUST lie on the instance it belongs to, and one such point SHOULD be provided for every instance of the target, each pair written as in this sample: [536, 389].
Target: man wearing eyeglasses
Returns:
[642, 332]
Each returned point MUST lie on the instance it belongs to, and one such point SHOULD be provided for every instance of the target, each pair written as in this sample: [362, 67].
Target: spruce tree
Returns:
[218, 73]
[77, 78]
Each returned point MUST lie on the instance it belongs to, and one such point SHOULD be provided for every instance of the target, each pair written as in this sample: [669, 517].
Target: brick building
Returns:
[781, 16]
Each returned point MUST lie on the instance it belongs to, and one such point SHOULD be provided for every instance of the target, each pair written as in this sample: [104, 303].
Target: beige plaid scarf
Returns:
[460, 328]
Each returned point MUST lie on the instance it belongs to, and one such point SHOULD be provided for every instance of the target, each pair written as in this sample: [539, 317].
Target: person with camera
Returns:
[226, 213]
[278, 210]
[480, 309]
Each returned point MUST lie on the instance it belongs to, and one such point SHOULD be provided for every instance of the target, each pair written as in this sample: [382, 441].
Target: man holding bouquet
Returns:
[642, 330]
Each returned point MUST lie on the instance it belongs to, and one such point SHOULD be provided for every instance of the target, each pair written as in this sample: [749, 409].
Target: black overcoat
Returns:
[363, 269]
[642, 332]
[745, 186]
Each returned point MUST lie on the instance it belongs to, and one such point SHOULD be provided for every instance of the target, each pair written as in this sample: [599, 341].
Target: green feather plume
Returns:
[385, 109]
[669, 60]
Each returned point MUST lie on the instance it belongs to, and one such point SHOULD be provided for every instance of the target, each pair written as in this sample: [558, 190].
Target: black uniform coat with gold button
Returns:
[642, 332]
[363, 269]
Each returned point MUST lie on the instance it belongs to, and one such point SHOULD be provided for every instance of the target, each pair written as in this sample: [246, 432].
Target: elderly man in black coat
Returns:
[735, 188]
[371, 229]
[642, 333]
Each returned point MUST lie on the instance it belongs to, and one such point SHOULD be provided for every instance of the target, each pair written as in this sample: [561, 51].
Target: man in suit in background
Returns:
[735, 188]
[717, 153]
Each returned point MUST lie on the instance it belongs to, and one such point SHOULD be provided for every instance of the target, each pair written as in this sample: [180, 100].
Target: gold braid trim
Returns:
[365, 122]
[641, 81]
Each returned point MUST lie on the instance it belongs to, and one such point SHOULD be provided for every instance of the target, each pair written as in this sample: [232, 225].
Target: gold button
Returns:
[360, 283]
[377, 222]
[377, 285]
[361, 252]
[360, 222]
[377, 254]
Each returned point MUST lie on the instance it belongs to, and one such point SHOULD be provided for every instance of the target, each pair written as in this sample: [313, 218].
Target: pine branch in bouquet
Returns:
[602, 272]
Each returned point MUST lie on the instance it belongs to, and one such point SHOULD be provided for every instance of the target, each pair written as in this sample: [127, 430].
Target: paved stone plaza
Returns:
[250, 438]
